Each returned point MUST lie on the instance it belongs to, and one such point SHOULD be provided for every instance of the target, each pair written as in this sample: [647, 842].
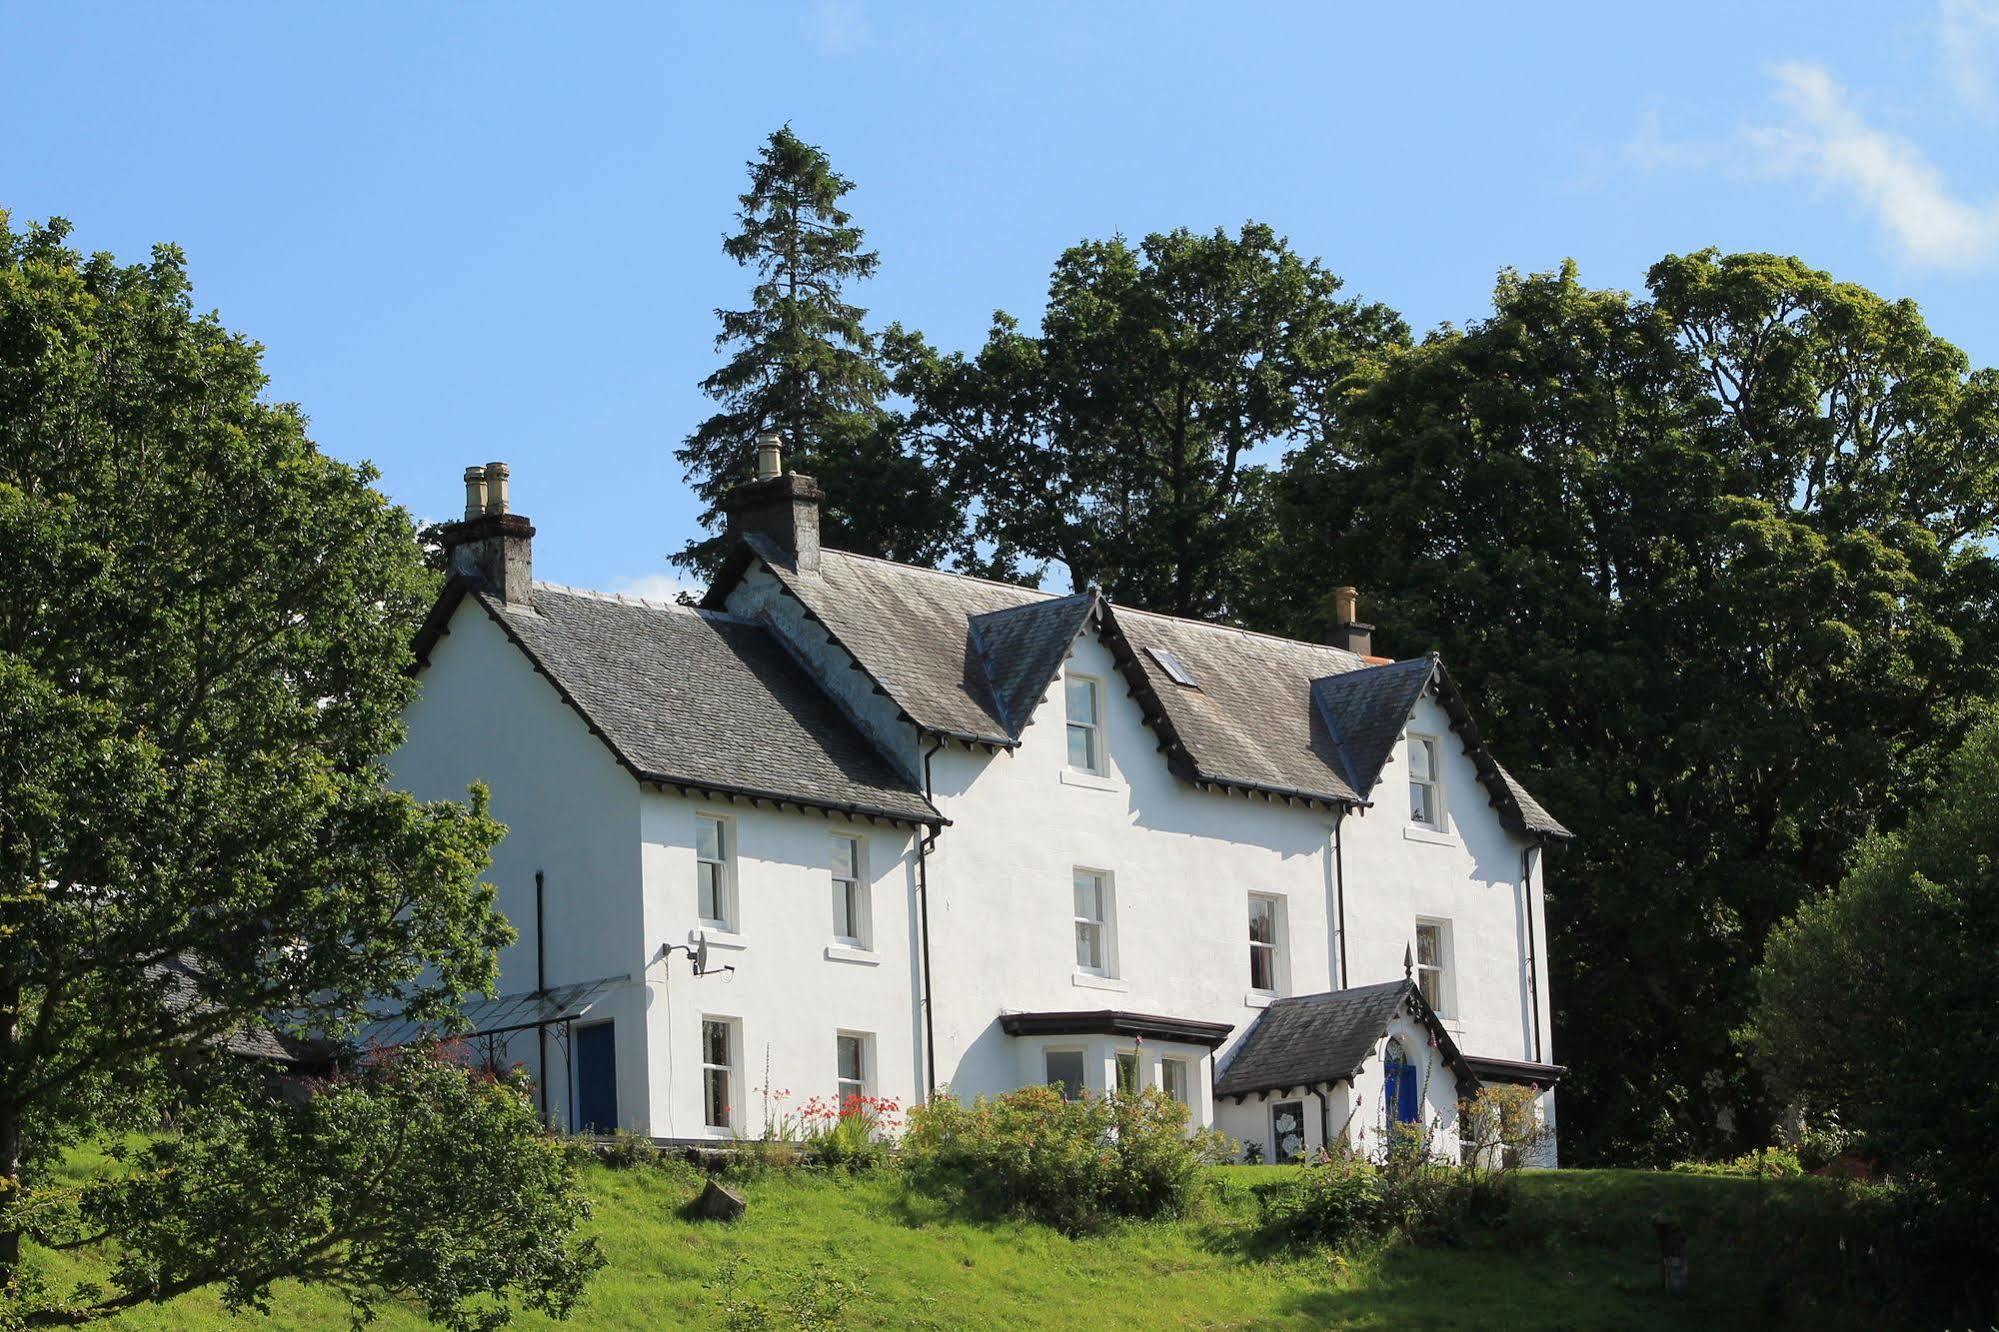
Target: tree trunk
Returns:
[10, 1130]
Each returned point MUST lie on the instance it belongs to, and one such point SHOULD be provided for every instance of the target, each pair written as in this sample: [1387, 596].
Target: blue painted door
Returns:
[597, 1077]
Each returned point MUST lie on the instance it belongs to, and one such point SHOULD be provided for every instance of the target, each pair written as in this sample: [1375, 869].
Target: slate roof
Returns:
[910, 627]
[699, 700]
[180, 981]
[1020, 648]
[1312, 1039]
[968, 659]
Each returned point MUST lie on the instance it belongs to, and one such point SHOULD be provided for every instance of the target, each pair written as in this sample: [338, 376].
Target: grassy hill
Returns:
[1579, 1252]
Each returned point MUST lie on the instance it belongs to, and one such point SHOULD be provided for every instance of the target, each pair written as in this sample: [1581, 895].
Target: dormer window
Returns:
[1426, 787]
[1086, 732]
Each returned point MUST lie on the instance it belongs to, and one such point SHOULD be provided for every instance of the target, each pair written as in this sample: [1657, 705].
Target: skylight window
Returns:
[1173, 666]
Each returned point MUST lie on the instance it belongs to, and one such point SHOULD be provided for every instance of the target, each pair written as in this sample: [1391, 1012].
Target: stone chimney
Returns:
[492, 543]
[1348, 631]
[780, 506]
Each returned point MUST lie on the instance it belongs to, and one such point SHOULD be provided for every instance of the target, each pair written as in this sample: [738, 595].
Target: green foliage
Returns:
[415, 1179]
[1713, 568]
[803, 363]
[1069, 1164]
[204, 627]
[1874, 1002]
[1763, 1163]
[1122, 441]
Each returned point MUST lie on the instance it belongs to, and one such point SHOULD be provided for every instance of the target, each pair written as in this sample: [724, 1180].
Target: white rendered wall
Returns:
[619, 866]
[794, 988]
[483, 714]
[1182, 864]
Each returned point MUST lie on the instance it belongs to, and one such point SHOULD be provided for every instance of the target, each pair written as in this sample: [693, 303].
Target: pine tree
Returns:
[803, 363]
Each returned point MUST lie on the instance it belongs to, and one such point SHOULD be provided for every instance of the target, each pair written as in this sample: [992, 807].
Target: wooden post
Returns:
[1672, 1256]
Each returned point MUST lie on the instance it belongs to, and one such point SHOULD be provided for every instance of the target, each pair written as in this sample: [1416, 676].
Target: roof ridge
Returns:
[646, 603]
[1113, 604]
[947, 573]
[1221, 628]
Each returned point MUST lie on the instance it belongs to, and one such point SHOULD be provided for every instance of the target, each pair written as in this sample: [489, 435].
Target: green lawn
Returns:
[1579, 1252]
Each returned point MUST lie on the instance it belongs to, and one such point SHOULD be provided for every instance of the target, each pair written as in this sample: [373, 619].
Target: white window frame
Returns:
[850, 895]
[1082, 1054]
[1099, 765]
[1432, 747]
[1445, 1004]
[1276, 947]
[725, 918]
[731, 1072]
[1185, 1067]
[845, 1086]
[1105, 924]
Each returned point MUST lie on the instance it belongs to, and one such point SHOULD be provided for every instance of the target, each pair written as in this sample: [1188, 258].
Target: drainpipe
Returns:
[540, 988]
[1340, 894]
[1533, 953]
[923, 845]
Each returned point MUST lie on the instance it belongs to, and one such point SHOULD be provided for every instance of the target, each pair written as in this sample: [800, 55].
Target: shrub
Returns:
[1069, 1164]
[1763, 1163]
[1338, 1201]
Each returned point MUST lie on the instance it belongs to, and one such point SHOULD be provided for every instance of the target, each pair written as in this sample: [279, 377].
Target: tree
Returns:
[804, 364]
[1712, 566]
[1874, 1002]
[204, 635]
[1124, 441]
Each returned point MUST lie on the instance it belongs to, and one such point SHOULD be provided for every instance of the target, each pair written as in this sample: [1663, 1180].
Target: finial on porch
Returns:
[1408, 962]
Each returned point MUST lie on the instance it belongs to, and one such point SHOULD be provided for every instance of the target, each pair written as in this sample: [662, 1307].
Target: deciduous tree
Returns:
[204, 634]
[1129, 440]
[1715, 566]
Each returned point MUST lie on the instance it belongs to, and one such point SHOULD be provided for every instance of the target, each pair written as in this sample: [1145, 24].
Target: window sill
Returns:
[718, 938]
[865, 957]
[1430, 835]
[1260, 999]
[1090, 781]
[1085, 980]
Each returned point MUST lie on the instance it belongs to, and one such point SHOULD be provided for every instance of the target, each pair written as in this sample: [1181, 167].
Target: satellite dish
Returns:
[701, 953]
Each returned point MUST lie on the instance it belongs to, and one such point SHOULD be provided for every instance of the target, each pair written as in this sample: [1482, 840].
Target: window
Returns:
[850, 892]
[1065, 1070]
[1265, 942]
[718, 1072]
[1432, 965]
[711, 868]
[1287, 1132]
[1175, 1080]
[1426, 788]
[1093, 922]
[851, 1053]
[1128, 1075]
[1086, 732]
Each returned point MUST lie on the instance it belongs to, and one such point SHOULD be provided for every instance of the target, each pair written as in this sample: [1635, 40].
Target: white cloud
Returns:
[1823, 138]
[835, 27]
[1827, 140]
[1968, 33]
[664, 587]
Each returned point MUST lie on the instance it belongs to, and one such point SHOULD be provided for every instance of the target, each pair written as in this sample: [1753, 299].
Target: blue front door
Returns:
[596, 1078]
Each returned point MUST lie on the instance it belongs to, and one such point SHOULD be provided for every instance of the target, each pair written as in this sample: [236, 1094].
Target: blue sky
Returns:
[468, 232]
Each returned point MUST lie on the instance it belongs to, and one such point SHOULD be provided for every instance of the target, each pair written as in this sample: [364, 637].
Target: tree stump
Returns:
[718, 1203]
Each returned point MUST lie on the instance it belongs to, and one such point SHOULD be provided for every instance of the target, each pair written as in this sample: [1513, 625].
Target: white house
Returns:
[935, 832]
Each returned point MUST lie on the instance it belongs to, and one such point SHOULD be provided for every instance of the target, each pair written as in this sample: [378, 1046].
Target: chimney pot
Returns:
[1348, 632]
[492, 545]
[770, 455]
[1346, 605]
[496, 487]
